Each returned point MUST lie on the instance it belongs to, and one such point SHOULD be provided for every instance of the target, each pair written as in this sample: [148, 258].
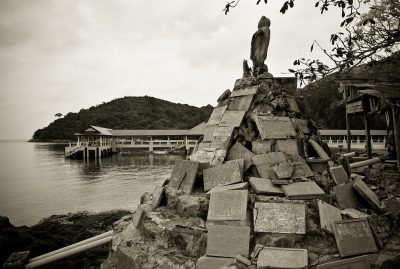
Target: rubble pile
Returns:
[262, 191]
[247, 198]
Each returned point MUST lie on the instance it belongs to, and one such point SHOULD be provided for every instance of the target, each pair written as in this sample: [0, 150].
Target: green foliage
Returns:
[126, 113]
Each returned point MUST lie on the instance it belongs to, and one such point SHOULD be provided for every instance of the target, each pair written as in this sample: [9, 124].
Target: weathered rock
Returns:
[262, 146]
[238, 151]
[288, 146]
[187, 205]
[16, 260]
[284, 170]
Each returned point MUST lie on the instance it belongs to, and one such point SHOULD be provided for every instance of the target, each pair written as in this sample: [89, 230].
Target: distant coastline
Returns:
[58, 141]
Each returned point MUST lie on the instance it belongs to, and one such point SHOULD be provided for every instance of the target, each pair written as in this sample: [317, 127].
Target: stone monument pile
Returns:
[260, 190]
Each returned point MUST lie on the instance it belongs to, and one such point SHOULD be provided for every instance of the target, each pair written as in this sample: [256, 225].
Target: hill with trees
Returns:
[126, 113]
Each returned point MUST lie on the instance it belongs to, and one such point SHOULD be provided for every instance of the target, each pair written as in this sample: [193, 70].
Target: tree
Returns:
[368, 37]
[58, 115]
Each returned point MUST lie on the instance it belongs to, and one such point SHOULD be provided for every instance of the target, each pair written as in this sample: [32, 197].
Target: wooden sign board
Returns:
[228, 205]
[270, 257]
[238, 151]
[338, 174]
[184, 175]
[265, 186]
[241, 103]
[216, 116]
[275, 127]
[345, 196]
[361, 262]
[247, 91]
[303, 190]
[328, 214]
[232, 118]
[354, 237]
[280, 218]
[224, 174]
[228, 241]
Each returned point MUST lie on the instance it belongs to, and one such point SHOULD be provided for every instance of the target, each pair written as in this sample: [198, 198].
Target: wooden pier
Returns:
[97, 142]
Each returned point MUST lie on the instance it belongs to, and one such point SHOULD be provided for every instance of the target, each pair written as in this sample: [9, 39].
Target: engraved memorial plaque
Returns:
[280, 218]
[346, 196]
[361, 262]
[232, 118]
[224, 174]
[275, 127]
[354, 237]
[241, 103]
[216, 116]
[228, 205]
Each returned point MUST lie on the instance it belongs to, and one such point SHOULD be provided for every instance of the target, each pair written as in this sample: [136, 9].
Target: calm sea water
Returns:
[36, 181]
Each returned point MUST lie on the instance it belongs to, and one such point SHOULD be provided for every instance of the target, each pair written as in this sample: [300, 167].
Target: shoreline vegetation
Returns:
[58, 231]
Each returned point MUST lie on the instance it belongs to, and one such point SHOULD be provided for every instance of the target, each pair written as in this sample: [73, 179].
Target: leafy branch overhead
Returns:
[370, 33]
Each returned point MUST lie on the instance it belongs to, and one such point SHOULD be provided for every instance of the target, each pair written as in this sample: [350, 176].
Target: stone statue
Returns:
[246, 69]
[259, 46]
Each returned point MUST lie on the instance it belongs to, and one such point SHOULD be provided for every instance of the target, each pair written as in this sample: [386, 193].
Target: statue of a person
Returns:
[259, 46]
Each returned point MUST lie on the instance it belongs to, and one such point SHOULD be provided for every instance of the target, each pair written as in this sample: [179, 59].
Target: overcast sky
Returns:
[61, 56]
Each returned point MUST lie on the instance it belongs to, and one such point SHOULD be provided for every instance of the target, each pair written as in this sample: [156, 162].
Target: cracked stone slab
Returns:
[224, 174]
[183, 175]
[303, 190]
[236, 186]
[361, 262]
[216, 116]
[301, 168]
[238, 151]
[288, 146]
[246, 91]
[339, 175]
[265, 186]
[328, 214]
[270, 158]
[346, 196]
[232, 118]
[368, 194]
[288, 218]
[208, 262]
[228, 205]
[241, 103]
[284, 258]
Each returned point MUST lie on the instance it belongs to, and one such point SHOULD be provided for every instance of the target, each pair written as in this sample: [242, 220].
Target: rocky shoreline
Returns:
[56, 232]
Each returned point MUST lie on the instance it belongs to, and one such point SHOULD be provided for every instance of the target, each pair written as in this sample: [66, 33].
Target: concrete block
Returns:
[280, 218]
[303, 190]
[354, 237]
[224, 174]
[208, 133]
[285, 258]
[238, 151]
[228, 241]
[328, 215]
[367, 194]
[345, 196]
[271, 158]
[338, 175]
[183, 175]
[208, 262]
[265, 186]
